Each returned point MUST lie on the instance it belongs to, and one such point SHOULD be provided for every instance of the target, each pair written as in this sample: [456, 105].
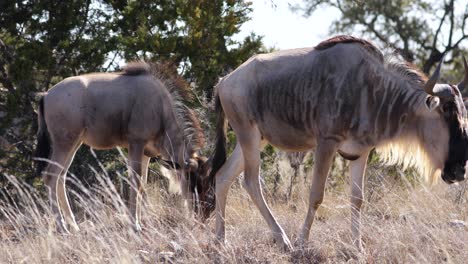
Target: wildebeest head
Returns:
[449, 103]
[207, 198]
[190, 179]
[199, 187]
[197, 176]
[195, 170]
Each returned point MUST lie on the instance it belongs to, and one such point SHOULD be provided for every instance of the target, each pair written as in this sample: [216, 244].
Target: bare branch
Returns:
[371, 26]
[459, 40]
[452, 24]
[5, 80]
[434, 43]
[465, 16]
[4, 60]
[112, 61]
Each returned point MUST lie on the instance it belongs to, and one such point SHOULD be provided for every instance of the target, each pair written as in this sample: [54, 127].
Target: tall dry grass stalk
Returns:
[401, 224]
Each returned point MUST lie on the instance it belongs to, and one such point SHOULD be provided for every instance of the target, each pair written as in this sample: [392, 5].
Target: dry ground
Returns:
[400, 225]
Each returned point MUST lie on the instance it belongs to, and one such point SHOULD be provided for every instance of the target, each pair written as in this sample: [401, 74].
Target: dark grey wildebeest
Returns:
[132, 109]
[342, 96]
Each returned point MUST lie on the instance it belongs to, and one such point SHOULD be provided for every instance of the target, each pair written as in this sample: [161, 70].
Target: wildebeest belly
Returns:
[285, 136]
[101, 139]
[105, 130]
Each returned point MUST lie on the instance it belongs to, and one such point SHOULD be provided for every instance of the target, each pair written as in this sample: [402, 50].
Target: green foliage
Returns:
[42, 42]
[196, 34]
[268, 156]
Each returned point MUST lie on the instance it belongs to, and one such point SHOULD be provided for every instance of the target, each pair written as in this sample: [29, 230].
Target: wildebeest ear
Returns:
[432, 102]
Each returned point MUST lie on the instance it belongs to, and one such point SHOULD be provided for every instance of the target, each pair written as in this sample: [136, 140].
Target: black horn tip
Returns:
[434, 78]
[440, 65]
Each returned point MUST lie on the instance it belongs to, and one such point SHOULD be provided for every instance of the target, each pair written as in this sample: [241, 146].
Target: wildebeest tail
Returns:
[219, 157]
[43, 140]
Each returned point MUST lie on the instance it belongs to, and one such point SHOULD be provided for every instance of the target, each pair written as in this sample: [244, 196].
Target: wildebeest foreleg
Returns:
[187, 195]
[135, 159]
[356, 171]
[224, 178]
[323, 159]
[250, 143]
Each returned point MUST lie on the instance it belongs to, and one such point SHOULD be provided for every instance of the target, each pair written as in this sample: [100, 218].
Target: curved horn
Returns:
[434, 78]
[464, 83]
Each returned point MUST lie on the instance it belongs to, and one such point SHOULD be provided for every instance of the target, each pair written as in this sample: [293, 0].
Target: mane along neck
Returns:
[180, 94]
[179, 91]
[190, 124]
[404, 144]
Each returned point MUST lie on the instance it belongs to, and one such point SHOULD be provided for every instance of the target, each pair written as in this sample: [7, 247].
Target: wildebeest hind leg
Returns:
[356, 171]
[224, 178]
[61, 193]
[58, 161]
[144, 179]
[135, 158]
[324, 154]
[249, 140]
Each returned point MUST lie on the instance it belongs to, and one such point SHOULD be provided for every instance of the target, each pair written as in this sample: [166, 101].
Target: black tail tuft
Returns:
[219, 157]
[43, 140]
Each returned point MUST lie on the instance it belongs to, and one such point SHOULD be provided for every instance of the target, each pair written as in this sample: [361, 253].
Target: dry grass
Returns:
[400, 225]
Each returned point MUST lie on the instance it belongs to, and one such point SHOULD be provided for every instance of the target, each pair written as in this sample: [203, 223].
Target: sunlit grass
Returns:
[401, 224]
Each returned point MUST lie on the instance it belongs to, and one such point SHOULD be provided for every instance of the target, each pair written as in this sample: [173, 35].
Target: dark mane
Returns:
[166, 71]
[371, 48]
[406, 70]
[180, 92]
[136, 68]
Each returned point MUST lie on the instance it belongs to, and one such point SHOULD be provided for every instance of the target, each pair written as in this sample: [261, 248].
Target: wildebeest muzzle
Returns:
[454, 173]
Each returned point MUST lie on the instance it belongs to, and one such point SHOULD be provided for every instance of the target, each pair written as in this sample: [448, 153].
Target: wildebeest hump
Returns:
[301, 94]
[326, 93]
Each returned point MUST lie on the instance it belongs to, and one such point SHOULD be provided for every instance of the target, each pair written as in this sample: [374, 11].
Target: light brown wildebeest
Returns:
[132, 109]
[342, 96]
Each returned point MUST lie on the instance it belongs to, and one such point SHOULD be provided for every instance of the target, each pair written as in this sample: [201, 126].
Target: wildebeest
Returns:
[132, 109]
[341, 96]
